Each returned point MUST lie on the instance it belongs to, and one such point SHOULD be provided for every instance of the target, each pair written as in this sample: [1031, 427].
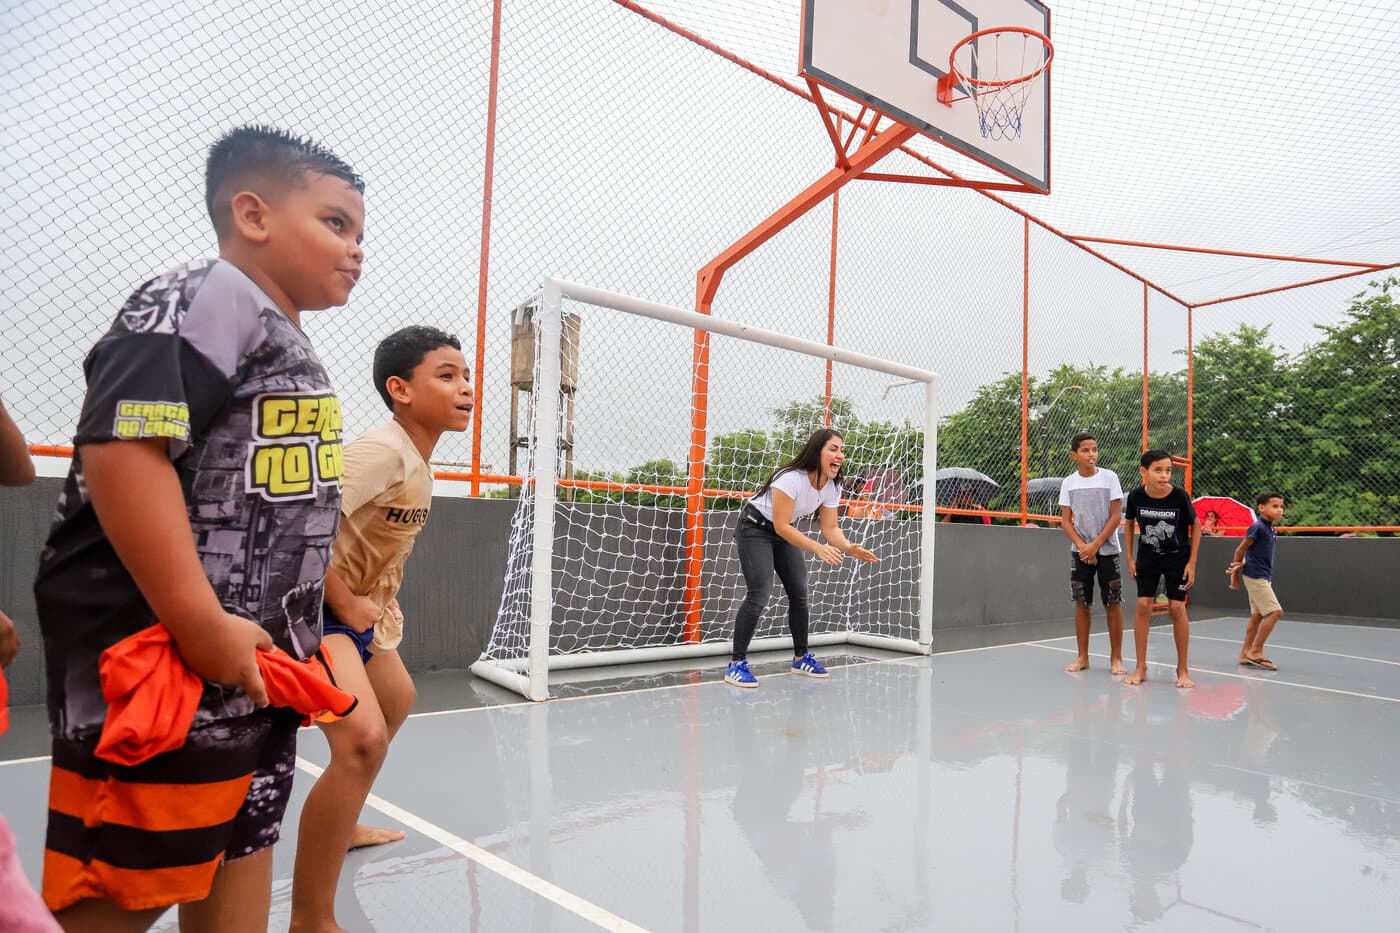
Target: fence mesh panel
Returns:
[628, 155]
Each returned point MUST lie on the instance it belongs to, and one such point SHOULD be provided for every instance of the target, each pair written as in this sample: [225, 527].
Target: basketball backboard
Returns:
[889, 54]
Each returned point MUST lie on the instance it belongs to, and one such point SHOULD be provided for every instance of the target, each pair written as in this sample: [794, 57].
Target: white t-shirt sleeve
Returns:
[1115, 491]
[1065, 486]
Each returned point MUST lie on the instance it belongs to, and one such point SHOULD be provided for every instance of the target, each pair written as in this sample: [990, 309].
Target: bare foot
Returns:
[1183, 680]
[1078, 664]
[373, 836]
[1118, 668]
[1136, 677]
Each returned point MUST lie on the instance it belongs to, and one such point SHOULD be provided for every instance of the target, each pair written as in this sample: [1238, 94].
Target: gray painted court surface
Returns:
[985, 790]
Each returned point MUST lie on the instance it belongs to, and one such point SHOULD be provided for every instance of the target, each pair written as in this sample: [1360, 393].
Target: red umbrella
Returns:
[1234, 517]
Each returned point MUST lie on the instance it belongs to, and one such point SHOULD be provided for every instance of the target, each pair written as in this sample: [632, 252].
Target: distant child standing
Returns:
[1255, 559]
[1162, 514]
[1091, 504]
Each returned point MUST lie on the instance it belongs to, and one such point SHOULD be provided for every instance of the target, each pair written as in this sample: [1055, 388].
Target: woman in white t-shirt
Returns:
[809, 482]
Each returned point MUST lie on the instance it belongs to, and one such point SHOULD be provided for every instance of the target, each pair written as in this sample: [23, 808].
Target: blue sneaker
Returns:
[808, 665]
[739, 675]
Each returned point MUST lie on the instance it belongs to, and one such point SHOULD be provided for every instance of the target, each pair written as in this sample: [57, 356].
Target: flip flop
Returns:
[1264, 664]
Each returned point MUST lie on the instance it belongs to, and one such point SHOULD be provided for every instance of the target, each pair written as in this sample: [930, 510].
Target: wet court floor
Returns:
[981, 790]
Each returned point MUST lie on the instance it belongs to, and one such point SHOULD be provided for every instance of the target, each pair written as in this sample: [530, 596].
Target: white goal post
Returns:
[612, 562]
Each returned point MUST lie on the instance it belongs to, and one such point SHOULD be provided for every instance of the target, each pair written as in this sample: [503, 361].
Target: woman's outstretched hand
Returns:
[861, 553]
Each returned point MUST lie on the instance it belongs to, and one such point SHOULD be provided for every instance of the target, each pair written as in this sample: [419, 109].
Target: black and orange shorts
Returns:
[154, 834]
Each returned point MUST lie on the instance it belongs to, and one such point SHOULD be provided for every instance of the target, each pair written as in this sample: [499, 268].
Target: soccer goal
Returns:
[646, 428]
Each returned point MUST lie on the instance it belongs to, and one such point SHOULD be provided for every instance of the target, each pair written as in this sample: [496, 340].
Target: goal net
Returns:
[645, 429]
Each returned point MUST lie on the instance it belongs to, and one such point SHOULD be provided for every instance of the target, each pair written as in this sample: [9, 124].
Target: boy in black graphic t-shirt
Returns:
[1165, 521]
[204, 494]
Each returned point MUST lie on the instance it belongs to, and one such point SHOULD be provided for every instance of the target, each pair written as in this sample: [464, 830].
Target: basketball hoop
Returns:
[1002, 67]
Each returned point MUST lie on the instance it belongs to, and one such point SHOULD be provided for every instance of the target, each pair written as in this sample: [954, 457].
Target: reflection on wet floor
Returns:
[987, 790]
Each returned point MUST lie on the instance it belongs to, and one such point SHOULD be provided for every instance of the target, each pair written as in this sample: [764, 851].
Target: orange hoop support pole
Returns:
[1144, 367]
[485, 240]
[1190, 396]
[871, 150]
[831, 298]
[1025, 362]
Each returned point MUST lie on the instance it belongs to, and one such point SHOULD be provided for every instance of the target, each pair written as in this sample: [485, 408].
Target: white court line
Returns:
[551, 892]
[24, 761]
[1273, 647]
[1309, 623]
[1239, 676]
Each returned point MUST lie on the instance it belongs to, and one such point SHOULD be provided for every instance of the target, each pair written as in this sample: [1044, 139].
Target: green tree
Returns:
[657, 473]
[1244, 385]
[1346, 418]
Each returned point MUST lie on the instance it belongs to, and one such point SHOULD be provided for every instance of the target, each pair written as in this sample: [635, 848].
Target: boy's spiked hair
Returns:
[263, 158]
[400, 353]
[1264, 497]
[1153, 455]
[1080, 438]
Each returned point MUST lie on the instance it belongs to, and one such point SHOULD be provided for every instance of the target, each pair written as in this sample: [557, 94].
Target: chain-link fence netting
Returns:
[628, 154]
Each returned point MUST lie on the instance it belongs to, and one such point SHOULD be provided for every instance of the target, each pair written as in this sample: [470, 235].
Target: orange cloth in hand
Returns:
[152, 697]
[4, 704]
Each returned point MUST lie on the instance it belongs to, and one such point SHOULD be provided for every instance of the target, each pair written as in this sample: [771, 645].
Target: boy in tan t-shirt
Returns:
[422, 376]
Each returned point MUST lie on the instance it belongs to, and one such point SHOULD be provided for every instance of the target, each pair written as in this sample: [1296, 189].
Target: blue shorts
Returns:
[330, 625]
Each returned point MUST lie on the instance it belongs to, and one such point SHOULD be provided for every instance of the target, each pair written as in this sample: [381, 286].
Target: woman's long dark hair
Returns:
[808, 459]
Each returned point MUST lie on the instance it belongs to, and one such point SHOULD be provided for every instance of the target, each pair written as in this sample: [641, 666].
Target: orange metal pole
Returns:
[695, 486]
[831, 297]
[1190, 396]
[1144, 367]
[880, 145]
[832, 129]
[1284, 288]
[486, 240]
[1371, 266]
[950, 182]
[706, 284]
[1025, 361]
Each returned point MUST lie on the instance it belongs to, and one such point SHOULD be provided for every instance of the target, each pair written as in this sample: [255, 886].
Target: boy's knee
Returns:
[402, 706]
[366, 747]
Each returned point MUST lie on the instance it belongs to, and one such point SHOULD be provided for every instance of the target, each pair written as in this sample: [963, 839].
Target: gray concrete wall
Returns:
[994, 584]
[1332, 576]
[451, 590]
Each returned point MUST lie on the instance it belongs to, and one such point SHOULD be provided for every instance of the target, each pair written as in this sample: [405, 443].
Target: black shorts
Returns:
[1082, 576]
[1152, 570]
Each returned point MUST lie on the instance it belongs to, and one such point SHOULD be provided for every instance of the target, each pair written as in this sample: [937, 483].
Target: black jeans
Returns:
[761, 553]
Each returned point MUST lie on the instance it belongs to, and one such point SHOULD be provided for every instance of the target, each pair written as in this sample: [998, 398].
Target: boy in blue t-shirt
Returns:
[1255, 558]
